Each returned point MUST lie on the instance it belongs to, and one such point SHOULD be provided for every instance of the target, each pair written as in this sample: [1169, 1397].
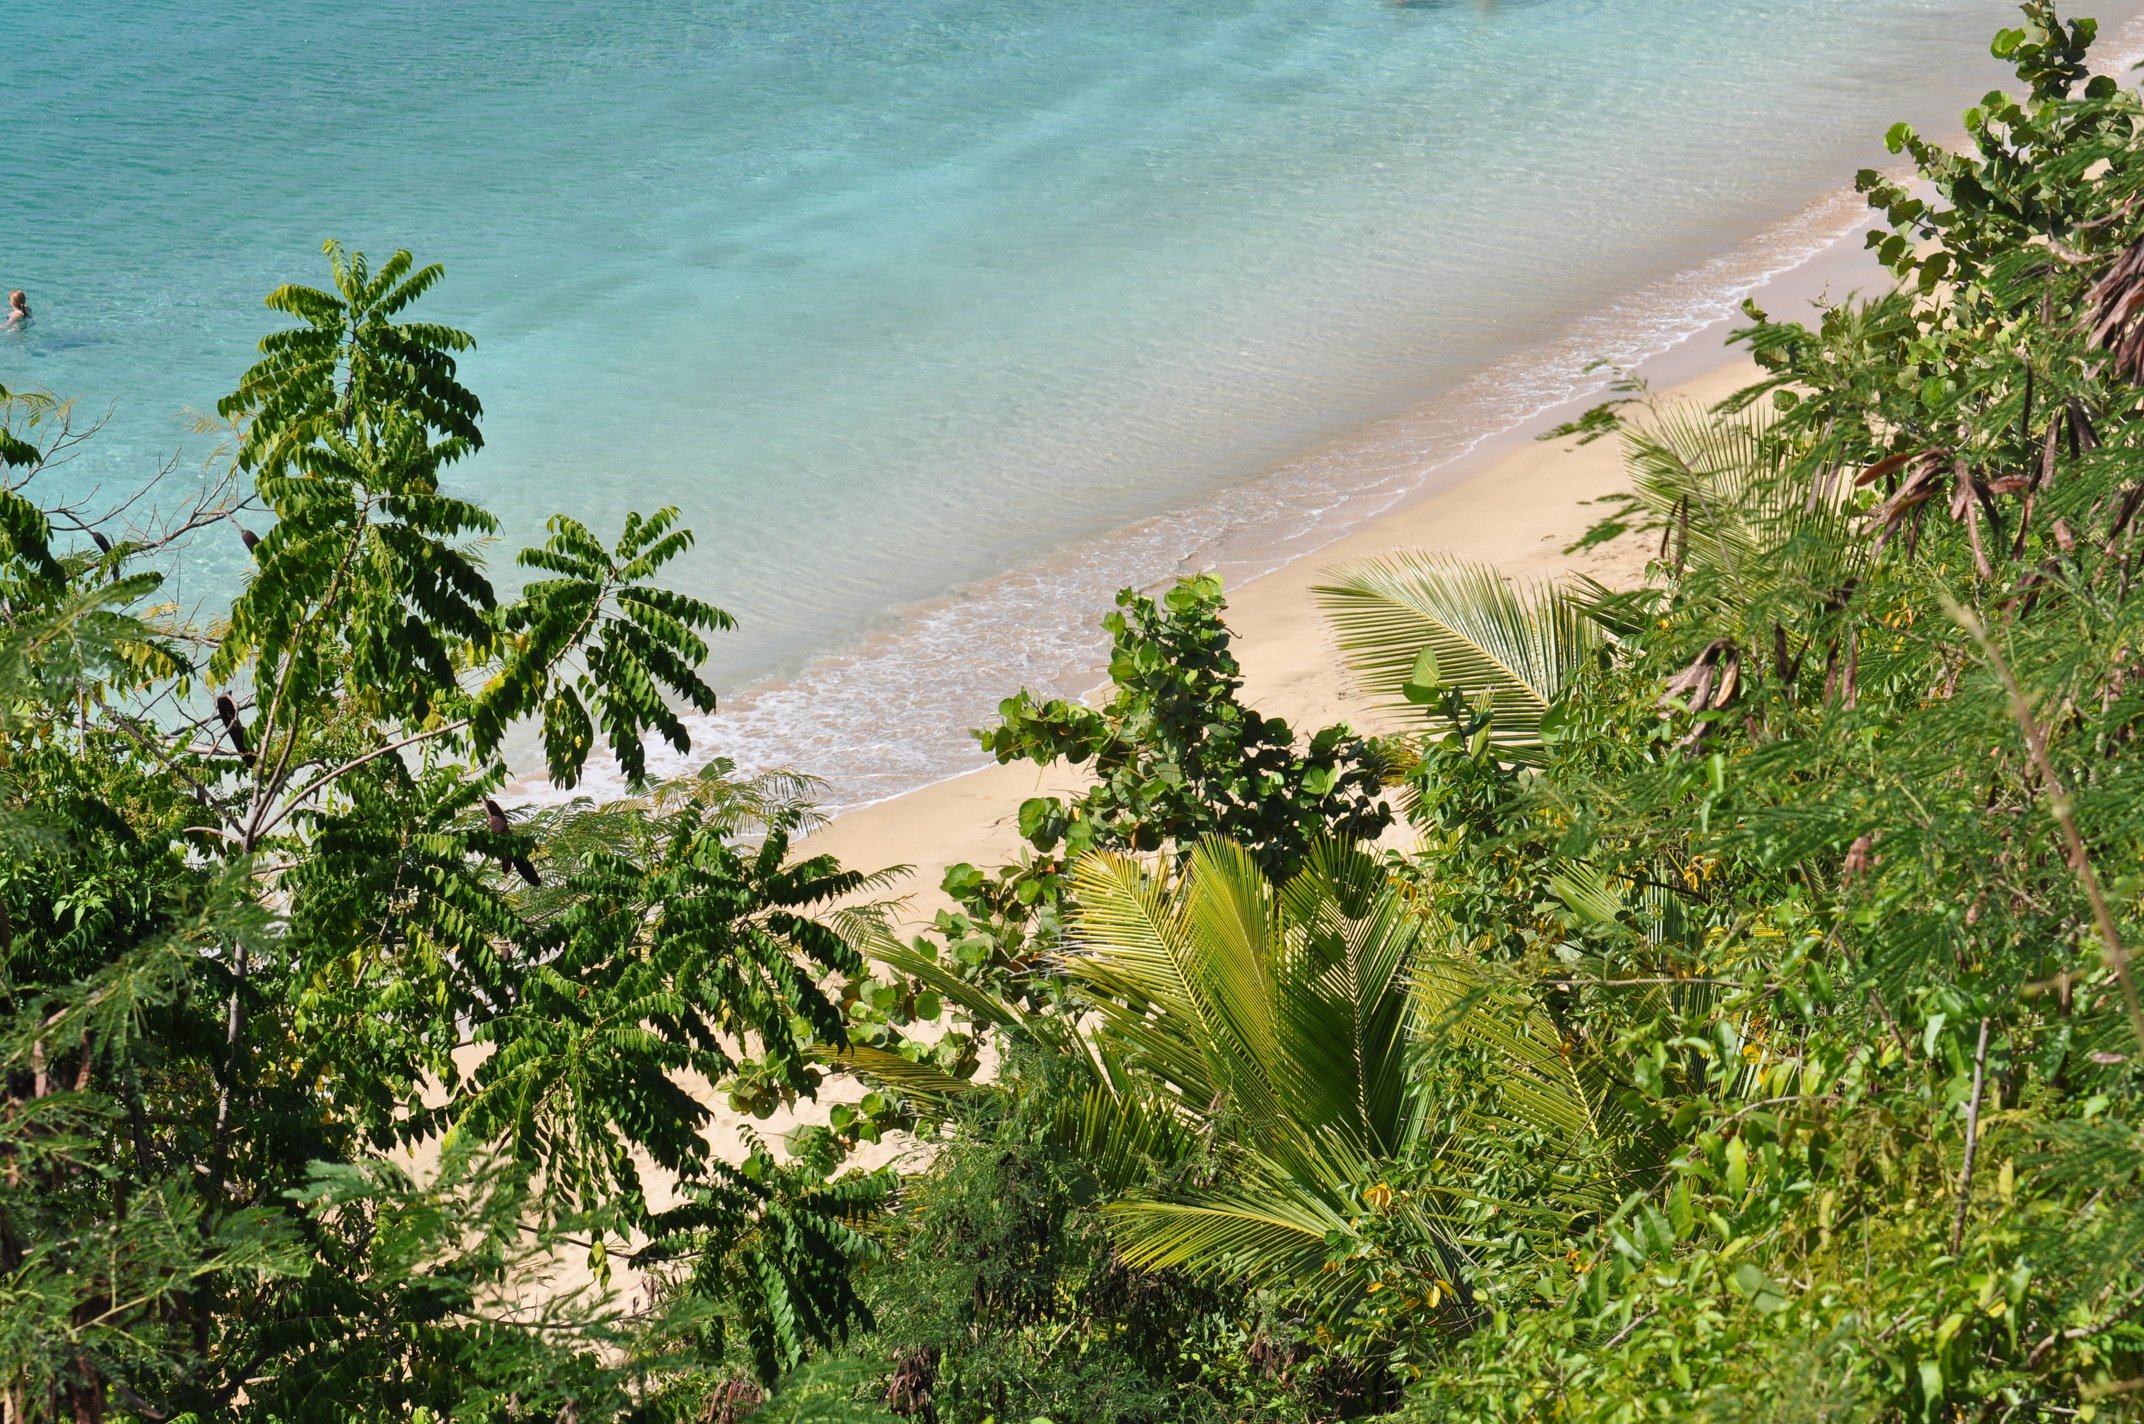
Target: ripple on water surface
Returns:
[893, 298]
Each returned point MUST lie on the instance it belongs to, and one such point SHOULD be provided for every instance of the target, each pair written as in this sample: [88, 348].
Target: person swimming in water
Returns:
[18, 309]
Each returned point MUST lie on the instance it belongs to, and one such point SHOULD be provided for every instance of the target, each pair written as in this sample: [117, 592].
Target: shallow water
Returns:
[940, 318]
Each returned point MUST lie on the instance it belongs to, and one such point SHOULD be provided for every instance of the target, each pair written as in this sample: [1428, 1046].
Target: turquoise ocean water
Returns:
[939, 318]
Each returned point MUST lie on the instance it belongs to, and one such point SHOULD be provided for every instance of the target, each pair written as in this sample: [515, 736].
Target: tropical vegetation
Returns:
[1711, 998]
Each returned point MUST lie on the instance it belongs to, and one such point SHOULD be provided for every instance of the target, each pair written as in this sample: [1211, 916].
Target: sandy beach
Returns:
[1519, 510]
[1515, 501]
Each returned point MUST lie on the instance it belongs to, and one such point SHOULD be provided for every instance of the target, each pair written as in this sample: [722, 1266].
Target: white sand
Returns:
[1518, 509]
[1515, 502]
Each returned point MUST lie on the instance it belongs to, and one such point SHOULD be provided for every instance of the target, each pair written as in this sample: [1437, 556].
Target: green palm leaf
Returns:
[1123, 1133]
[1136, 954]
[1718, 489]
[1347, 1020]
[1267, 1229]
[1417, 624]
[1280, 1033]
[1718, 470]
[880, 1065]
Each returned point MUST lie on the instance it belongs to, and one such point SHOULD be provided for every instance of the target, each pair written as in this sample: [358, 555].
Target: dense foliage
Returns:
[1814, 858]
[1749, 1030]
[323, 1075]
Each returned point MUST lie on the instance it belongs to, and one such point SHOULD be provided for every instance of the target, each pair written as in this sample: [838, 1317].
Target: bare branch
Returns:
[297, 797]
[2058, 803]
[1972, 1139]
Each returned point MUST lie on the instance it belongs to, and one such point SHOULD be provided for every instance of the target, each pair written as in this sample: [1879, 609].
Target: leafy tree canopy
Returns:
[316, 1060]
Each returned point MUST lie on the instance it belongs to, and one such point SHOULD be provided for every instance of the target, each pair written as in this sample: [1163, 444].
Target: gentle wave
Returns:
[891, 298]
[894, 714]
[879, 720]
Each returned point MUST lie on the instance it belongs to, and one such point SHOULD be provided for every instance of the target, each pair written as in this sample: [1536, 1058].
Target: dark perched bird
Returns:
[104, 545]
[246, 534]
[228, 711]
[496, 820]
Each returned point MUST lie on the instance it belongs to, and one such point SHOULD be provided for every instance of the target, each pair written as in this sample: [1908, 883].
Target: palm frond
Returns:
[1720, 472]
[1285, 1030]
[1346, 1021]
[918, 1080]
[1131, 948]
[1273, 1233]
[875, 941]
[1416, 624]
[1123, 1136]
[1271, 1224]
[1717, 487]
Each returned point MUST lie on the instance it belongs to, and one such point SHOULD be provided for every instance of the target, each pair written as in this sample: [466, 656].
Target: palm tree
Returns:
[1735, 529]
[1274, 1050]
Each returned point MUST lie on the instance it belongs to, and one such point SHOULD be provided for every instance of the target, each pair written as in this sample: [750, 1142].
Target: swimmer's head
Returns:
[17, 300]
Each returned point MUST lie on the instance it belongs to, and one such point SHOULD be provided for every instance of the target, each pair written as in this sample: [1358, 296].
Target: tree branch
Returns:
[297, 797]
[2058, 803]
[1972, 1139]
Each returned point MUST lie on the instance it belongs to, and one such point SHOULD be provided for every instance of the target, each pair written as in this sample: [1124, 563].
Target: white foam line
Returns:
[888, 716]
[807, 722]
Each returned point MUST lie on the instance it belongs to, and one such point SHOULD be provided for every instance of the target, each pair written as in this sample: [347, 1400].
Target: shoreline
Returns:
[1516, 509]
[886, 716]
[833, 715]
[1509, 499]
